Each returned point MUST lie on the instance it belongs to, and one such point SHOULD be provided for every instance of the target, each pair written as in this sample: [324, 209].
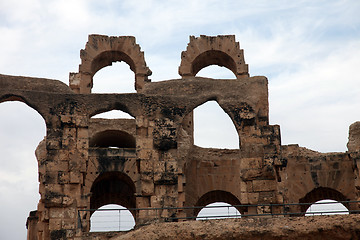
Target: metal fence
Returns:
[123, 220]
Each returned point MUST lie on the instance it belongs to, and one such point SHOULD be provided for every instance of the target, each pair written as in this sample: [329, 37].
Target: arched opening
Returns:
[228, 202]
[319, 194]
[112, 139]
[107, 58]
[111, 217]
[117, 78]
[21, 130]
[218, 210]
[213, 57]
[113, 188]
[216, 72]
[326, 207]
[112, 129]
[114, 114]
[213, 128]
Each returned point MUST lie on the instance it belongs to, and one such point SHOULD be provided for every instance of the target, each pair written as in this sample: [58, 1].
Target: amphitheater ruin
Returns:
[151, 161]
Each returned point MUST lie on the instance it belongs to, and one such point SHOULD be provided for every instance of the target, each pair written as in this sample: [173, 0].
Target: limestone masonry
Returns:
[151, 161]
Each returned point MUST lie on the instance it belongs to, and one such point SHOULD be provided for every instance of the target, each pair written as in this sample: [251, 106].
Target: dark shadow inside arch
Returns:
[213, 57]
[322, 193]
[113, 138]
[113, 188]
[218, 196]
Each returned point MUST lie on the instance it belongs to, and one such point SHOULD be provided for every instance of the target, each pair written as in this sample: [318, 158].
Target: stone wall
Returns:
[150, 161]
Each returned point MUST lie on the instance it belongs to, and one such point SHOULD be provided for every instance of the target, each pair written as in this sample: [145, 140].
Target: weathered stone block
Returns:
[82, 121]
[56, 213]
[244, 198]
[55, 224]
[67, 119]
[144, 154]
[75, 177]
[82, 143]
[155, 202]
[147, 188]
[57, 166]
[253, 198]
[82, 132]
[263, 185]
[63, 177]
[68, 224]
[146, 166]
[250, 163]
[143, 202]
[53, 144]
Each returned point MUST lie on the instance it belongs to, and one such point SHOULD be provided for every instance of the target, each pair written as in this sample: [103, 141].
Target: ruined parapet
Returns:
[354, 151]
[310, 176]
[354, 137]
[221, 50]
[32, 225]
[101, 51]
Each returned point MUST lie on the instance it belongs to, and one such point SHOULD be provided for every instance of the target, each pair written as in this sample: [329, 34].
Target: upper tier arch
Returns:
[221, 50]
[101, 51]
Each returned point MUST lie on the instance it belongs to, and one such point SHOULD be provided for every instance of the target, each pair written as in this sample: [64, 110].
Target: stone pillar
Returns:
[354, 150]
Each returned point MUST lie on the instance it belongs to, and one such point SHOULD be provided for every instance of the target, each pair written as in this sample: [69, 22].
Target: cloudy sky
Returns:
[309, 50]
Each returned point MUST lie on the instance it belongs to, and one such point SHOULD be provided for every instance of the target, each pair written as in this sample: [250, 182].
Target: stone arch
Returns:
[14, 97]
[212, 57]
[106, 58]
[322, 193]
[113, 138]
[231, 132]
[218, 196]
[111, 106]
[221, 50]
[188, 114]
[101, 51]
[113, 188]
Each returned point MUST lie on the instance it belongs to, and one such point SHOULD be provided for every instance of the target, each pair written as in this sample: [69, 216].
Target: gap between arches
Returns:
[213, 128]
[111, 217]
[326, 207]
[116, 78]
[216, 72]
[218, 210]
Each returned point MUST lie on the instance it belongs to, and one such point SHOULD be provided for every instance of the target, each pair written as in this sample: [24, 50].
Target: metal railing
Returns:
[174, 214]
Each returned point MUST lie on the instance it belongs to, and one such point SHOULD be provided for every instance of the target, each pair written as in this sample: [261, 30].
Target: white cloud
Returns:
[322, 97]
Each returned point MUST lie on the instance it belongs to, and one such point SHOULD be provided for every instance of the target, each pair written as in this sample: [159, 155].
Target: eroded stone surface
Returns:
[151, 161]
